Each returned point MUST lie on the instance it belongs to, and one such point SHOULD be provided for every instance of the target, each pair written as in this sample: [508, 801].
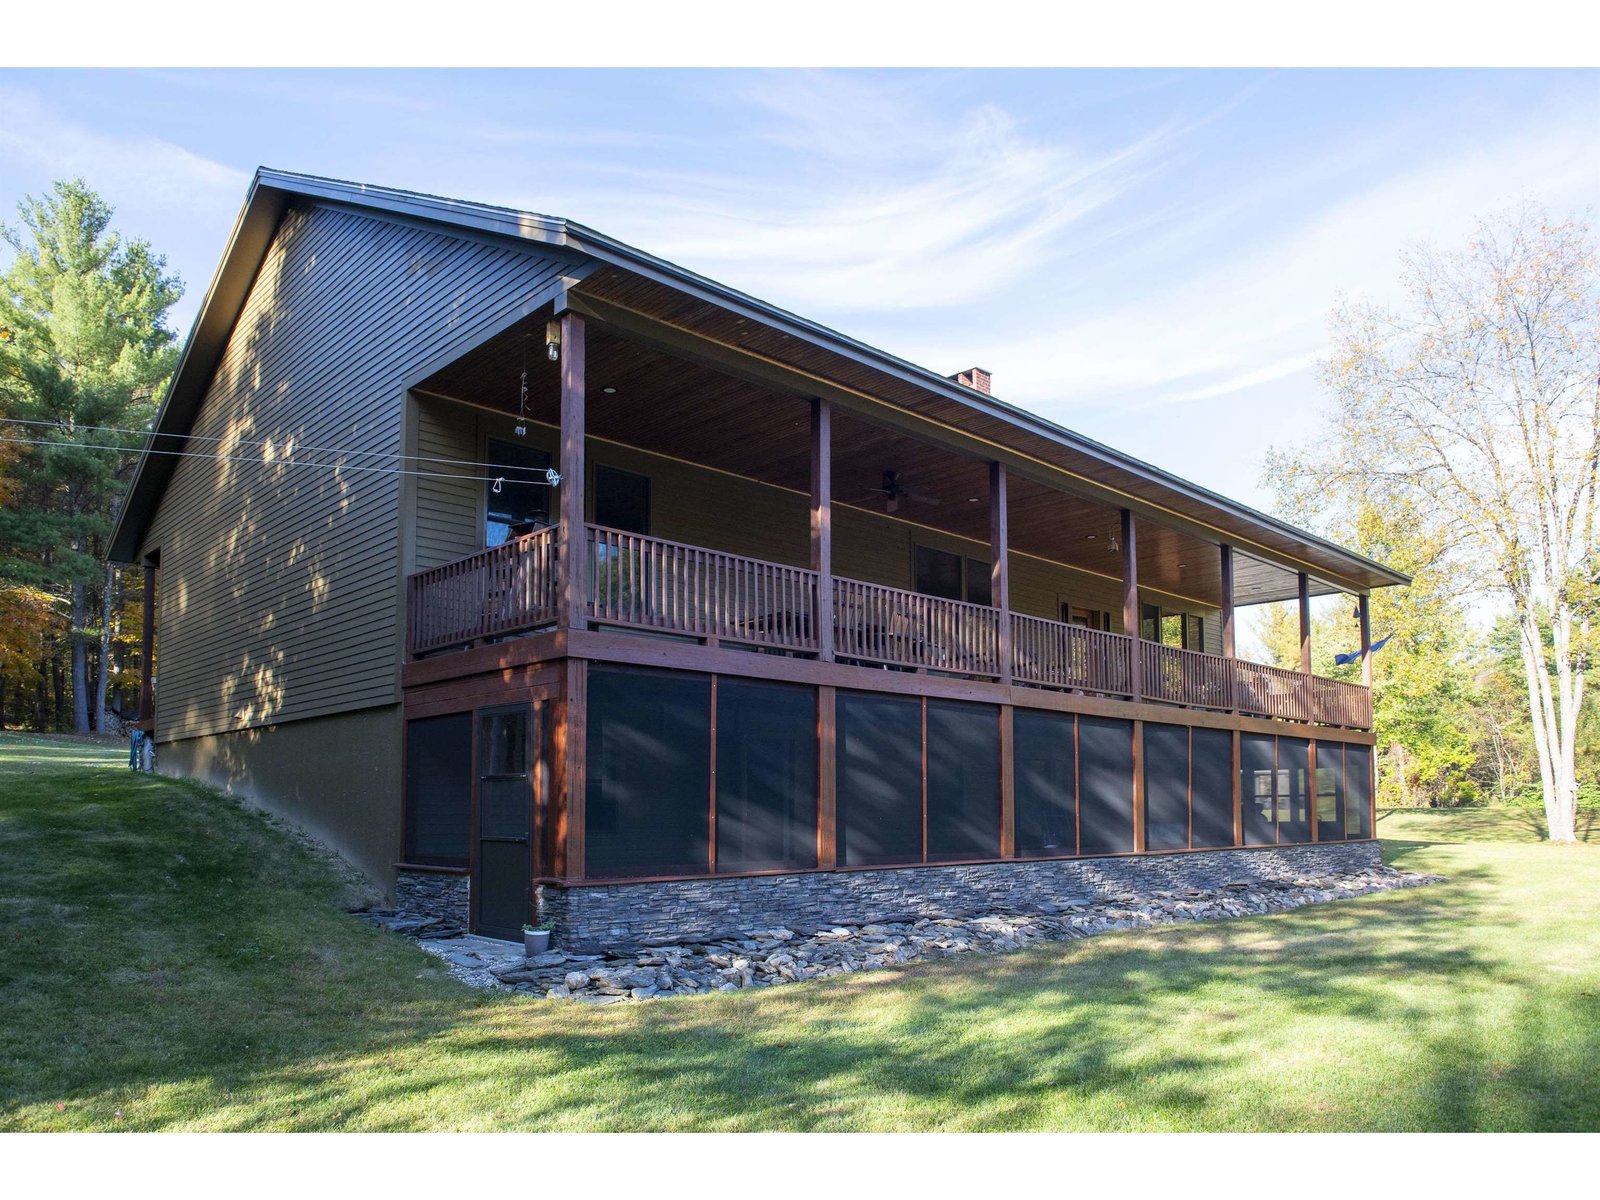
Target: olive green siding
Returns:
[740, 516]
[338, 778]
[280, 584]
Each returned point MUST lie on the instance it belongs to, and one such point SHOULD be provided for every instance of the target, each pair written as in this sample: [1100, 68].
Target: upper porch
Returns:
[728, 504]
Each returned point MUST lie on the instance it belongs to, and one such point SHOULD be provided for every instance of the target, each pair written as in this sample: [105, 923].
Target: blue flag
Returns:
[1355, 655]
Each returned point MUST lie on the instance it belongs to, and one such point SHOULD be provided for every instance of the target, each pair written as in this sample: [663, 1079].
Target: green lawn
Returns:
[172, 962]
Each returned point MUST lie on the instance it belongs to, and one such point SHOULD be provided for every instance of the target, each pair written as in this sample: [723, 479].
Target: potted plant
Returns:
[535, 939]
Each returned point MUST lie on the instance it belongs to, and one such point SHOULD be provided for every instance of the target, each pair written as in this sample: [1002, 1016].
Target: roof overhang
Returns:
[795, 352]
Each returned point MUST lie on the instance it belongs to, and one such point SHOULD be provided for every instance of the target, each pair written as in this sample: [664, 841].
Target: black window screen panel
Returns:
[621, 500]
[1105, 786]
[1166, 787]
[516, 496]
[649, 764]
[766, 776]
[963, 781]
[1358, 791]
[938, 573]
[1150, 622]
[1211, 782]
[1330, 792]
[880, 780]
[439, 790]
[1257, 770]
[1194, 632]
[1044, 748]
[1294, 804]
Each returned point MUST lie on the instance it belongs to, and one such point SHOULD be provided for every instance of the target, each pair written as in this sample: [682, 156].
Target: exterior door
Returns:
[503, 866]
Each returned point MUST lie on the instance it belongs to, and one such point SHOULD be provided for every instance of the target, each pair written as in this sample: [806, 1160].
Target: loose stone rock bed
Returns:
[770, 957]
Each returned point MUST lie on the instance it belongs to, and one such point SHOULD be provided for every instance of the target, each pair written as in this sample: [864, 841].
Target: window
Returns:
[621, 500]
[880, 780]
[963, 781]
[438, 790]
[1089, 618]
[1211, 786]
[516, 496]
[951, 577]
[766, 776]
[1171, 628]
[1166, 787]
[648, 800]
[1105, 786]
[1044, 746]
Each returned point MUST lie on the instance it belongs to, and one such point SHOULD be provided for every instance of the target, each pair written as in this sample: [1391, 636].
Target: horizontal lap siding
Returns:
[279, 594]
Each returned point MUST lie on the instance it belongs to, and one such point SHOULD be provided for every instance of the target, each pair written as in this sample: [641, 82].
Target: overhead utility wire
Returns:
[201, 437]
[551, 478]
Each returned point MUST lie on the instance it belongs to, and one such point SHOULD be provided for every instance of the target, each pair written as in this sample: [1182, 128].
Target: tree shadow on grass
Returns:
[180, 960]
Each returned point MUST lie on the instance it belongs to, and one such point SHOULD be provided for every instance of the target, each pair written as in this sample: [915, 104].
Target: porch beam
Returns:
[1130, 603]
[570, 533]
[822, 521]
[1000, 565]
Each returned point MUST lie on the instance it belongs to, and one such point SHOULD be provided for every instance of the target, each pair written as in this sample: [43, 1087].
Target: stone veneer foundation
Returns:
[445, 895]
[616, 916]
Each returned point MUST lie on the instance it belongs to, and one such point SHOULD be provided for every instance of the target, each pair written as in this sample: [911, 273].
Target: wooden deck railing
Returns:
[1187, 677]
[648, 583]
[506, 589]
[893, 627]
[1051, 654]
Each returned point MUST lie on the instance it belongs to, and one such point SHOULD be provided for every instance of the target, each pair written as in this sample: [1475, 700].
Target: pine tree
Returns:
[84, 347]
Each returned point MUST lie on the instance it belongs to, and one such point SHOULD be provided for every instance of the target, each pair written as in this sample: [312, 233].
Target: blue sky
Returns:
[1147, 257]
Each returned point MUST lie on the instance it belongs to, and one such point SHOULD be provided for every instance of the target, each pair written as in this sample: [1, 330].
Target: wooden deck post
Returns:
[827, 776]
[572, 538]
[1130, 605]
[1229, 646]
[822, 522]
[147, 654]
[1305, 624]
[1000, 566]
[1364, 606]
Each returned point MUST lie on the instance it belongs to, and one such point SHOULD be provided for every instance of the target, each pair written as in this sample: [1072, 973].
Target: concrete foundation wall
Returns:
[621, 915]
[338, 778]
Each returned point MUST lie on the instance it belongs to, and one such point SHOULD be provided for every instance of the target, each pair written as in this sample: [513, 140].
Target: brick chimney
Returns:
[977, 379]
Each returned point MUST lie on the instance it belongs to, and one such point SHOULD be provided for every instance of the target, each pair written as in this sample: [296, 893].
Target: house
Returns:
[545, 578]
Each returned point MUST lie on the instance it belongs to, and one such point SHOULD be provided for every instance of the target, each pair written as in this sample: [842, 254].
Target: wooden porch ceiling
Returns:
[696, 413]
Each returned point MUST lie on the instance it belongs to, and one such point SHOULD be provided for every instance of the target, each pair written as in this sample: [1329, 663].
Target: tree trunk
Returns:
[41, 698]
[80, 661]
[102, 717]
[58, 685]
[2, 699]
[1554, 735]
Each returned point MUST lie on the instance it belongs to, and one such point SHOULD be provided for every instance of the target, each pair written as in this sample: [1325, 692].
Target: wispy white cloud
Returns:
[139, 169]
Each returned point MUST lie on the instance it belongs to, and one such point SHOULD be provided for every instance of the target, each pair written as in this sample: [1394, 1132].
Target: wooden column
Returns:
[147, 654]
[822, 522]
[1008, 782]
[1364, 604]
[1305, 624]
[1139, 840]
[827, 778]
[571, 537]
[1130, 603]
[1000, 565]
[1229, 647]
[1238, 790]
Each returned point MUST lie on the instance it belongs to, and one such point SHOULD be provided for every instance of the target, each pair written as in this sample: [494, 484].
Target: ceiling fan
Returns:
[895, 490]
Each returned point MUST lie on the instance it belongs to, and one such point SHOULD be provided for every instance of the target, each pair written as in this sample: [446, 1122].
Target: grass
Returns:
[171, 961]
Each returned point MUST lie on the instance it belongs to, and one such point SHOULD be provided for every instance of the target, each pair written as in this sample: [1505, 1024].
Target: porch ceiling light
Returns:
[609, 390]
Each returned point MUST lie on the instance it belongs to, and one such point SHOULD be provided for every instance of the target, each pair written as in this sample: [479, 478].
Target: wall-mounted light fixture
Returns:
[552, 339]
